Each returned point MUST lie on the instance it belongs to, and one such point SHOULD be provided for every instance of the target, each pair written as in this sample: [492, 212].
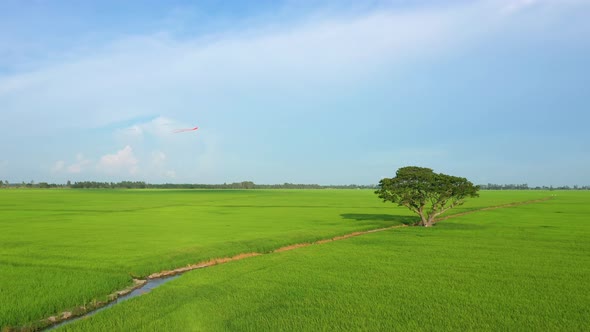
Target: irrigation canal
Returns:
[149, 285]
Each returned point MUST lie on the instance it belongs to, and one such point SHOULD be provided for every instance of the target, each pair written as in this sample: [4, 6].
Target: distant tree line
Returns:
[244, 185]
[234, 185]
[524, 186]
[144, 185]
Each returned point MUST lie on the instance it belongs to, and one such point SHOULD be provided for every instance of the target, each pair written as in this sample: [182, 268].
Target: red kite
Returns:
[186, 129]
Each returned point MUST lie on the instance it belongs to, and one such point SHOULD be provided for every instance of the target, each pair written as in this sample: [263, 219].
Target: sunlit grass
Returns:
[64, 248]
[523, 268]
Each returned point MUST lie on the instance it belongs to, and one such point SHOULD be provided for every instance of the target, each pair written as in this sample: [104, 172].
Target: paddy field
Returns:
[522, 267]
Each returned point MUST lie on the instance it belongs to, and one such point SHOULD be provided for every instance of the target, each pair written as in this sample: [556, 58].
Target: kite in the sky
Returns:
[186, 129]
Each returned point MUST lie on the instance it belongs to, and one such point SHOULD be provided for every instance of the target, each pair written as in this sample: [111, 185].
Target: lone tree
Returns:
[426, 193]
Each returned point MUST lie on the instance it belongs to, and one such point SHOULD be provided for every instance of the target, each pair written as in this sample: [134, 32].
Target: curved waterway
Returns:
[149, 285]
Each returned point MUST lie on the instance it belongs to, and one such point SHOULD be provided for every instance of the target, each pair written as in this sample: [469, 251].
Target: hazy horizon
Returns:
[496, 91]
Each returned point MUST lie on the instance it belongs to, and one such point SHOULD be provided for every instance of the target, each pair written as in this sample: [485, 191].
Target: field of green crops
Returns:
[513, 268]
[520, 268]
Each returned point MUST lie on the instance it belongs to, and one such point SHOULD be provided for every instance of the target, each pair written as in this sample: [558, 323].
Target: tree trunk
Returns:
[430, 221]
[423, 219]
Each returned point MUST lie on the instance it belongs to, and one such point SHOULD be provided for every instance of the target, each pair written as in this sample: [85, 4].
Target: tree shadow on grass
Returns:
[384, 220]
[380, 219]
[460, 225]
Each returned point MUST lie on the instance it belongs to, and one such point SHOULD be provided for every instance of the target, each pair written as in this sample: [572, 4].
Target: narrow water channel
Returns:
[151, 284]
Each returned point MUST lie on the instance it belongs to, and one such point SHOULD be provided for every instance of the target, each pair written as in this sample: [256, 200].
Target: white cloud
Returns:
[58, 166]
[211, 78]
[133, 131]
[159, 127]
[516, 5]
[78, 166]
[158, 74]
[139, 76]
[122, 161]
[158, 164]
[74, 168]
[158, 158]
[551, 8]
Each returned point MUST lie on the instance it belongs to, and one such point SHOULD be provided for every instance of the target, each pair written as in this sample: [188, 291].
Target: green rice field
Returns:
[516, 268]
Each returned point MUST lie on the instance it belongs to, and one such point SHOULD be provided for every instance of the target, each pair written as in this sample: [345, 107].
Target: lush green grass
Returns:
[519, 268]
[63, 248]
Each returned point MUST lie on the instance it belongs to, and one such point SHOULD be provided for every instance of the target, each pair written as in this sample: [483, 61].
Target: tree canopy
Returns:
[426, 193]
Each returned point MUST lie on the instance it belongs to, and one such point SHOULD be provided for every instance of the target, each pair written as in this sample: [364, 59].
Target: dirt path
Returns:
[138, 283]
[494, 208]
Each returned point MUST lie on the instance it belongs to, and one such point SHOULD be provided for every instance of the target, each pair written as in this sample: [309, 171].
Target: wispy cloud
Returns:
[170, 174]
[550, 7]
[144, 75]
[78, 166]
[160, 127]
[158, 158]
[160, 167]
[516, 5]
[58, 166]
[121, 162]
[243, 86]
[157, 73]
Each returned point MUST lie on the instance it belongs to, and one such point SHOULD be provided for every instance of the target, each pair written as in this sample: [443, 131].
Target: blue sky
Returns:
[295, 91]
